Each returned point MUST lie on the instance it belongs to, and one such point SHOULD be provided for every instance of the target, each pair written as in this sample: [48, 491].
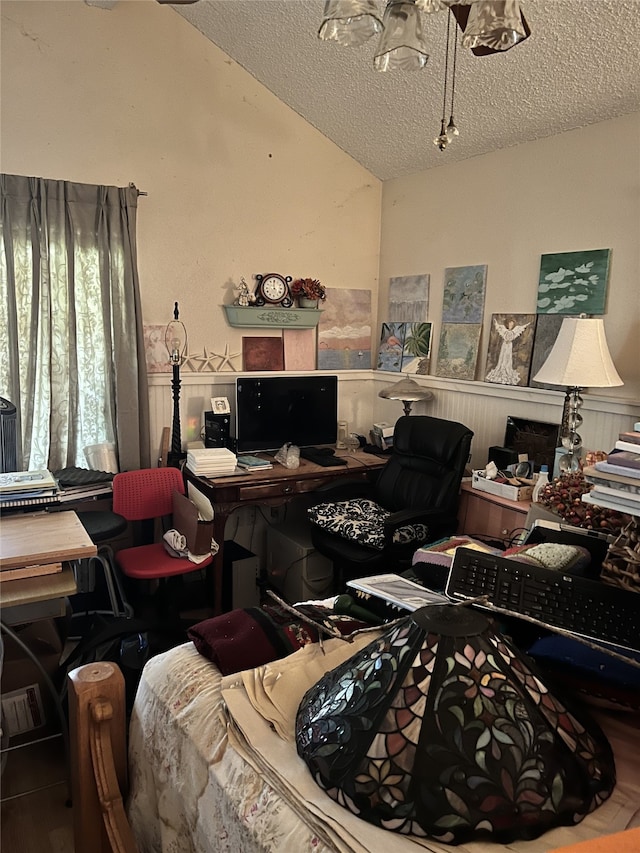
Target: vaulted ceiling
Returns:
[581, 65]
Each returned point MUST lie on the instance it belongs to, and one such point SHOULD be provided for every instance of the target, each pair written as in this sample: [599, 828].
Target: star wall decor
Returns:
[209, 361]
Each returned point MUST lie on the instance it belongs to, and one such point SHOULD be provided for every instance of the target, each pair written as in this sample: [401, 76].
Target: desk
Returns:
[482, 513]
[29, 540]
[273, 487]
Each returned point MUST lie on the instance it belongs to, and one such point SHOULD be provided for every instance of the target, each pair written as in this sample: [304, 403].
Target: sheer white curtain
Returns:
[71, 321]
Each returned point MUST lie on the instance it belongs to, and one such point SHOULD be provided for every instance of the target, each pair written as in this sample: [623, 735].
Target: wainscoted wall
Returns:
[481, 406]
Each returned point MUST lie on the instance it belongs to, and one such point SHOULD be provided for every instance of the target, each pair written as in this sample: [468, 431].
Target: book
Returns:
[619, 494]
[607, 502]
[612, 481]
[27, 481]
[396, 590]
[620, 470]
[631, 435]
[631, 446]
[249, 462]
[625, 458]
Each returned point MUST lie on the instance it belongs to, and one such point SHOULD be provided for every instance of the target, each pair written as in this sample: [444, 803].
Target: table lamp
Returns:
[579, 358]
[408, 391]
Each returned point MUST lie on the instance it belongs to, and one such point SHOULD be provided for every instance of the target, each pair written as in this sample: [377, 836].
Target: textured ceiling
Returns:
[581, 65]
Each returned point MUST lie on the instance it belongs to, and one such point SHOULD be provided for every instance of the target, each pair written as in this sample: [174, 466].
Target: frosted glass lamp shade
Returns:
[349, 22]
[580, 356]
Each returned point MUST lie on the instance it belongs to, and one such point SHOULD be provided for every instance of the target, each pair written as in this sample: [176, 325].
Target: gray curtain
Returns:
[71, 338]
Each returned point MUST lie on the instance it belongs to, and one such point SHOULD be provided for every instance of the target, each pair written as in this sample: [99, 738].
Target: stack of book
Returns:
[211, 461]
[616, 480]
[34, 487]
[253, 463]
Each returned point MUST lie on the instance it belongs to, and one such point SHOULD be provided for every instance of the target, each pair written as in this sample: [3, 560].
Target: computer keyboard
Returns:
[321, 457]
[588, 608]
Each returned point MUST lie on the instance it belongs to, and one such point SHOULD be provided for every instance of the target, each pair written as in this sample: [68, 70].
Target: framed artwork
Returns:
[260, 353]
[547, 328]
[510, 347]
[416, 350]
[299, 349]
[390, 347]
[155, 352]
[220, 405]
[573, 282]
[344, 330]
[458, 350]
[463, 297]
[409, 298]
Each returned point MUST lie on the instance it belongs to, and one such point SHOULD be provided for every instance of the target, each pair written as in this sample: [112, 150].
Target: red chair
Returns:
[146, 496]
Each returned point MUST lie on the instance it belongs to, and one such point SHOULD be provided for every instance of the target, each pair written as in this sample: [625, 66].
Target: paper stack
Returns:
[211, 461]
[17, 487]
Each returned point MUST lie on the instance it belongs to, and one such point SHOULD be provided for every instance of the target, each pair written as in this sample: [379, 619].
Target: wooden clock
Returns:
[273, 289]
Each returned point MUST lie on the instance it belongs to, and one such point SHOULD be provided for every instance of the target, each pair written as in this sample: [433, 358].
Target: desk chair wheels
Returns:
[102, 527]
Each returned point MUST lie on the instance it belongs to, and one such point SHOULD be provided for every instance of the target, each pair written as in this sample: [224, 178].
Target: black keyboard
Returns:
[327, 460]
[585, 607]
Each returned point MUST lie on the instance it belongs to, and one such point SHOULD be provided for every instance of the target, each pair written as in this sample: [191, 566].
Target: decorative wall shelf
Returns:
[267, 317]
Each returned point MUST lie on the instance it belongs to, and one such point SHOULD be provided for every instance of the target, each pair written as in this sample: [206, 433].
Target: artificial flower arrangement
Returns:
[310, 288]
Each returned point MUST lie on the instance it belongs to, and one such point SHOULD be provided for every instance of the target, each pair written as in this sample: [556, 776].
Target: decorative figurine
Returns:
[245, 296]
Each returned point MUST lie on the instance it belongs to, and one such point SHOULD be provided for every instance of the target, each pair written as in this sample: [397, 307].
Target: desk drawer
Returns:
[262, 491]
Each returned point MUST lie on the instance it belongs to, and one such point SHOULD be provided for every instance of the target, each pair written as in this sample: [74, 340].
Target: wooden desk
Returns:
[273, 487]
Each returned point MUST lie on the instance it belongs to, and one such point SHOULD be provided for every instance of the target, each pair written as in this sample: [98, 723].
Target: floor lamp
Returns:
[579, 358]
[175, 339]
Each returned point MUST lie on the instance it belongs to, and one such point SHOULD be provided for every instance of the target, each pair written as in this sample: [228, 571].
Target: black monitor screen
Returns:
[275, 410]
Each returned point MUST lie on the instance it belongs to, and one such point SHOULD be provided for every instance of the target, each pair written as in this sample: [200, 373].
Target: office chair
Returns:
[370, 528]
[146, 496]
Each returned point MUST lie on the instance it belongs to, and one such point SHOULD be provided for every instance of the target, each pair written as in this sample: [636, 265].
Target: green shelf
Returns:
[263, 318]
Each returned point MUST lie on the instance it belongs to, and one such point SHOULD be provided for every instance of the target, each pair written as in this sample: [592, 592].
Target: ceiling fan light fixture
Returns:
[402, 44]
[494, 24]
[350, 23]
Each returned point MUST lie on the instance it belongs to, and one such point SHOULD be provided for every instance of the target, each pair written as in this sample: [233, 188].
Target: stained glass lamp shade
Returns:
[441, 728]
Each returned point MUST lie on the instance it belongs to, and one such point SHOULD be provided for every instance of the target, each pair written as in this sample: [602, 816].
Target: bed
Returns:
[209, 773]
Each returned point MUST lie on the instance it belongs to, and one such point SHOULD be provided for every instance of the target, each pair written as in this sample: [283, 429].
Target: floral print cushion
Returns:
[362, 520]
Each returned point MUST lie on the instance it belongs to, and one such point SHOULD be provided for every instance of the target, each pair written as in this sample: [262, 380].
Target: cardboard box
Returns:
[26, 700]
[502, 490]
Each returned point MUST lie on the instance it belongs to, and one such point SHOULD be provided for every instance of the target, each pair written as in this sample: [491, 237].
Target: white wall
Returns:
[239, 184]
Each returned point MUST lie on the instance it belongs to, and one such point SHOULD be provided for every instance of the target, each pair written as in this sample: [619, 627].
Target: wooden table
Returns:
[273, 487]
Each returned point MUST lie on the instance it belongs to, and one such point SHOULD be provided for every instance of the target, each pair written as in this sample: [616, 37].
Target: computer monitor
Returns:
[274, 410]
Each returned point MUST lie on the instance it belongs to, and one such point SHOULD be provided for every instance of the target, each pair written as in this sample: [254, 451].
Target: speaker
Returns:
[217, 430]
[343, 432]
[503, 456]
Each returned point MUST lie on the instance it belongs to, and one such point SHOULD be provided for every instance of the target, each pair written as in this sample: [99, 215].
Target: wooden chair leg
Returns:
[99, 759]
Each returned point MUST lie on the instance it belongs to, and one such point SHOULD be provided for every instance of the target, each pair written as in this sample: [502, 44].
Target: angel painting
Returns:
[510, 343]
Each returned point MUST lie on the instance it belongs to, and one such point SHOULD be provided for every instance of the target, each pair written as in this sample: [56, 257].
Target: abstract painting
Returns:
[416, 351]
[299, 349]
[458, 350]
[260, 353]
[409, 298]
[510, 346]
[547, 328]
[344, 330]
[155, 351]
[463, 297]
[573, 282]
[390, 347]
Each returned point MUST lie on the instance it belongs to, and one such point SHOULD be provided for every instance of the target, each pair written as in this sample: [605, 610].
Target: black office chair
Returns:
[370, 528]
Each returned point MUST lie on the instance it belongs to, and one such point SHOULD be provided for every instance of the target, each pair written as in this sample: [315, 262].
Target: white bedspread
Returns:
[210, 774]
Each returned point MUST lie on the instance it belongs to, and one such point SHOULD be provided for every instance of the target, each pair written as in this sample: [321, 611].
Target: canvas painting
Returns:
[458, 350]
[573, 282]
[463, 297]
[155, 351]
[547, 328]
[409, 298]
[344, 330]
[299, 349]
[390, 347]
[510, 347]
[262, 353]
[416, 351]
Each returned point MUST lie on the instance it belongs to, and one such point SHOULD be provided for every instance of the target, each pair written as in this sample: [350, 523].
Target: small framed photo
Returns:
[220, 405]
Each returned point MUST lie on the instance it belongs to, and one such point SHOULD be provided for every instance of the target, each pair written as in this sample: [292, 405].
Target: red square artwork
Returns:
[262, 354]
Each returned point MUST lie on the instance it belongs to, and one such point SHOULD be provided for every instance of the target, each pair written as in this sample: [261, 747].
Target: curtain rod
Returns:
[134, 187]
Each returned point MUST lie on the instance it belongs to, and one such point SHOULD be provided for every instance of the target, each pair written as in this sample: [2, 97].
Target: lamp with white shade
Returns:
[579, 358]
